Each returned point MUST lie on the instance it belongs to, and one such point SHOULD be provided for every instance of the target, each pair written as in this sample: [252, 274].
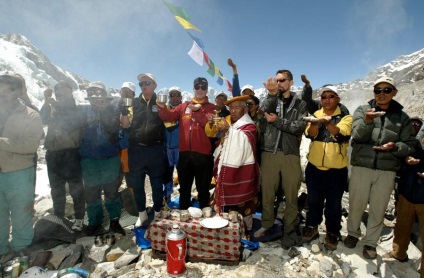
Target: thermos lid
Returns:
[175, 233]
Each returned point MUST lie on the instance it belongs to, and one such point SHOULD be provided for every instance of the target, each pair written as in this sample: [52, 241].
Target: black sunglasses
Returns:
[416, 124]
[282, 80]
[387, 91]
[175, 95]
[145, 83]
[249, 103]
[203, 87]
[328, 97]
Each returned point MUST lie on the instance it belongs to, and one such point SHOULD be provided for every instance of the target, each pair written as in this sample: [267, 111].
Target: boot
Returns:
[116, 227]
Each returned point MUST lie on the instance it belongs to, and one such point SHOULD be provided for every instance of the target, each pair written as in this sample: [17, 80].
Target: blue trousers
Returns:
[325, 192]
[16, 204]
[147, 160]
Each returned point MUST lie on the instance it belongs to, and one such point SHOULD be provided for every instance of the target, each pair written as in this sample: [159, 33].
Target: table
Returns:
[202, 243]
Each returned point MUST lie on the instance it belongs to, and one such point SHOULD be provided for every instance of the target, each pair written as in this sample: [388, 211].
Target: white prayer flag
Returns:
[196, 53]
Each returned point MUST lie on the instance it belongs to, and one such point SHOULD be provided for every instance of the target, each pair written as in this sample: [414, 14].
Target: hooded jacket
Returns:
[290, 127]
[20, 139]
[192, 135]
[395, 126]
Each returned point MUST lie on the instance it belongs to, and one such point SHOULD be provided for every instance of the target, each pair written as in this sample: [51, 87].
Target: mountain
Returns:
[19, 55]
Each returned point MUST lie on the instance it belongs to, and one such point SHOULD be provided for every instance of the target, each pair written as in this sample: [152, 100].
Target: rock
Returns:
[102, 268]
[119, 248]
[129, 256]
[122, 271]
[60, 252]
[74, 257]
[293, 252]
[326, 266]
[315, 248]
[338, 274]
[96, 254]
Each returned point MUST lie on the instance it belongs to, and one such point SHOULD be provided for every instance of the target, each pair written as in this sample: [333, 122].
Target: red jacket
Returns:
[192, 136]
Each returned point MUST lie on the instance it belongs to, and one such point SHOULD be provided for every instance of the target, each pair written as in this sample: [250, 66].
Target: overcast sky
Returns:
[331, 41]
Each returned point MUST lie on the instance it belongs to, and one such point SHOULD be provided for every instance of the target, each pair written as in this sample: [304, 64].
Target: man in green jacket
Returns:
[382, 135]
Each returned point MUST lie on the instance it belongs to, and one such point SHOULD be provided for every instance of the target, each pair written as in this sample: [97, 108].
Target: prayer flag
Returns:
[220, 80]
[177, 11]
[197, 40]
[196, 53]
[229, 86]
[186, 24]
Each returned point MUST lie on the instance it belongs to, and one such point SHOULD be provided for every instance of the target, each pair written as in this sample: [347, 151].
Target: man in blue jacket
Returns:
[100, 162]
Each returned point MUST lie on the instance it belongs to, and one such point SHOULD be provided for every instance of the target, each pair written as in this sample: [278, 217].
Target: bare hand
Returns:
[271, 85]
[48, 93]
[194, 107]
[421, 175]
[371, 114]
[305, 80]
[231, 63]
[411, 161]
[270, 117]
[391, 146]
[160, 104]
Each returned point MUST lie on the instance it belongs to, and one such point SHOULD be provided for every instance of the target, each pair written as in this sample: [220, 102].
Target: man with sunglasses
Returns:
[100, 162]
[20, 133]
[326, 172]
[146, 151]
[195, 159]
[382, 136]
[284, 112]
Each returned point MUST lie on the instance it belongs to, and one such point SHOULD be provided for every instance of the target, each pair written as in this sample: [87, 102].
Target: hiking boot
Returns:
[78, 225]
[116, 227]
[291, 239]
[331, 241]
[350, 241]
[309, 234]
[92, 230]
[369, 252]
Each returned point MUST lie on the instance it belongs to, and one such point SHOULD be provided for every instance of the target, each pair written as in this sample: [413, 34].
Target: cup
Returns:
[233, 216]
[162, 98]
[184, 216]
[207, 212]
[127, 101]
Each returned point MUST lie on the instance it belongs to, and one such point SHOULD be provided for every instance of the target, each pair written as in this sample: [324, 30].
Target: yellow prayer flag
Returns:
[186, 24]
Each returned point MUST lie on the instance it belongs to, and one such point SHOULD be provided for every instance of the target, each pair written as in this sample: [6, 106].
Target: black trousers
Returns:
[193, 166]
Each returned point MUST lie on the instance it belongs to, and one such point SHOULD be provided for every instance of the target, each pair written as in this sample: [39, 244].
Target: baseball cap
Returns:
[96, 89]
[175, 88]
[328, 88]
[247, 87]
[385, 79]
[200, 80]
[222, 94]
[128, 85]
[149, 75]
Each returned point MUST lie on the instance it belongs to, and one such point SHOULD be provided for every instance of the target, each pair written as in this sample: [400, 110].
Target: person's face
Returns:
[416, 125]
[220, 101]
[200, 91]
[383, 94]
[62, 93]
[127, 93]
[248, 92]
[147, 87]
[175, 98]
[329, 101]
[284, 83]
[7, 96]
[252, 107]
[237, 110]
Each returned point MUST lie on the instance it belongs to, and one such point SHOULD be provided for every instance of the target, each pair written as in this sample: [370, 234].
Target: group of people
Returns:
[249, 149]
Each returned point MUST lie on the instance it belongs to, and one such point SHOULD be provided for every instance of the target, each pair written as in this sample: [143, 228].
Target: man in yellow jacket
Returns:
[326, 173]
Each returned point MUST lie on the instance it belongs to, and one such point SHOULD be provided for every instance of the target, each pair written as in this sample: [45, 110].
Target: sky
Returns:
[113, 41]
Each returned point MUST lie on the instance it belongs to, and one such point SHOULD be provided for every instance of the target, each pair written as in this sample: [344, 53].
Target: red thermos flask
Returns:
[176, 250]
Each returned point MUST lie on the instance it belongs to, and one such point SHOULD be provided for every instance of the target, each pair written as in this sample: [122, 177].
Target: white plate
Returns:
[214, 222]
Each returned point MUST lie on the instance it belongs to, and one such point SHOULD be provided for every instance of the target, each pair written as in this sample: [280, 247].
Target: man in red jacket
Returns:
[195, 158]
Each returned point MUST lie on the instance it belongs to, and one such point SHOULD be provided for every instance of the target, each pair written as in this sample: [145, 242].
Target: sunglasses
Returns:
[249, 103]
[99, 101]
[175, 95]
[387, 91]
[145, 83]
[328, 97]
[417, 124]
[203, 87]
[282, 80]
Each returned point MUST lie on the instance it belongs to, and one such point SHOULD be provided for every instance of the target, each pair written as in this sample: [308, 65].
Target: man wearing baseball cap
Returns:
[382, 136]
[195, 158]
[145, 151]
